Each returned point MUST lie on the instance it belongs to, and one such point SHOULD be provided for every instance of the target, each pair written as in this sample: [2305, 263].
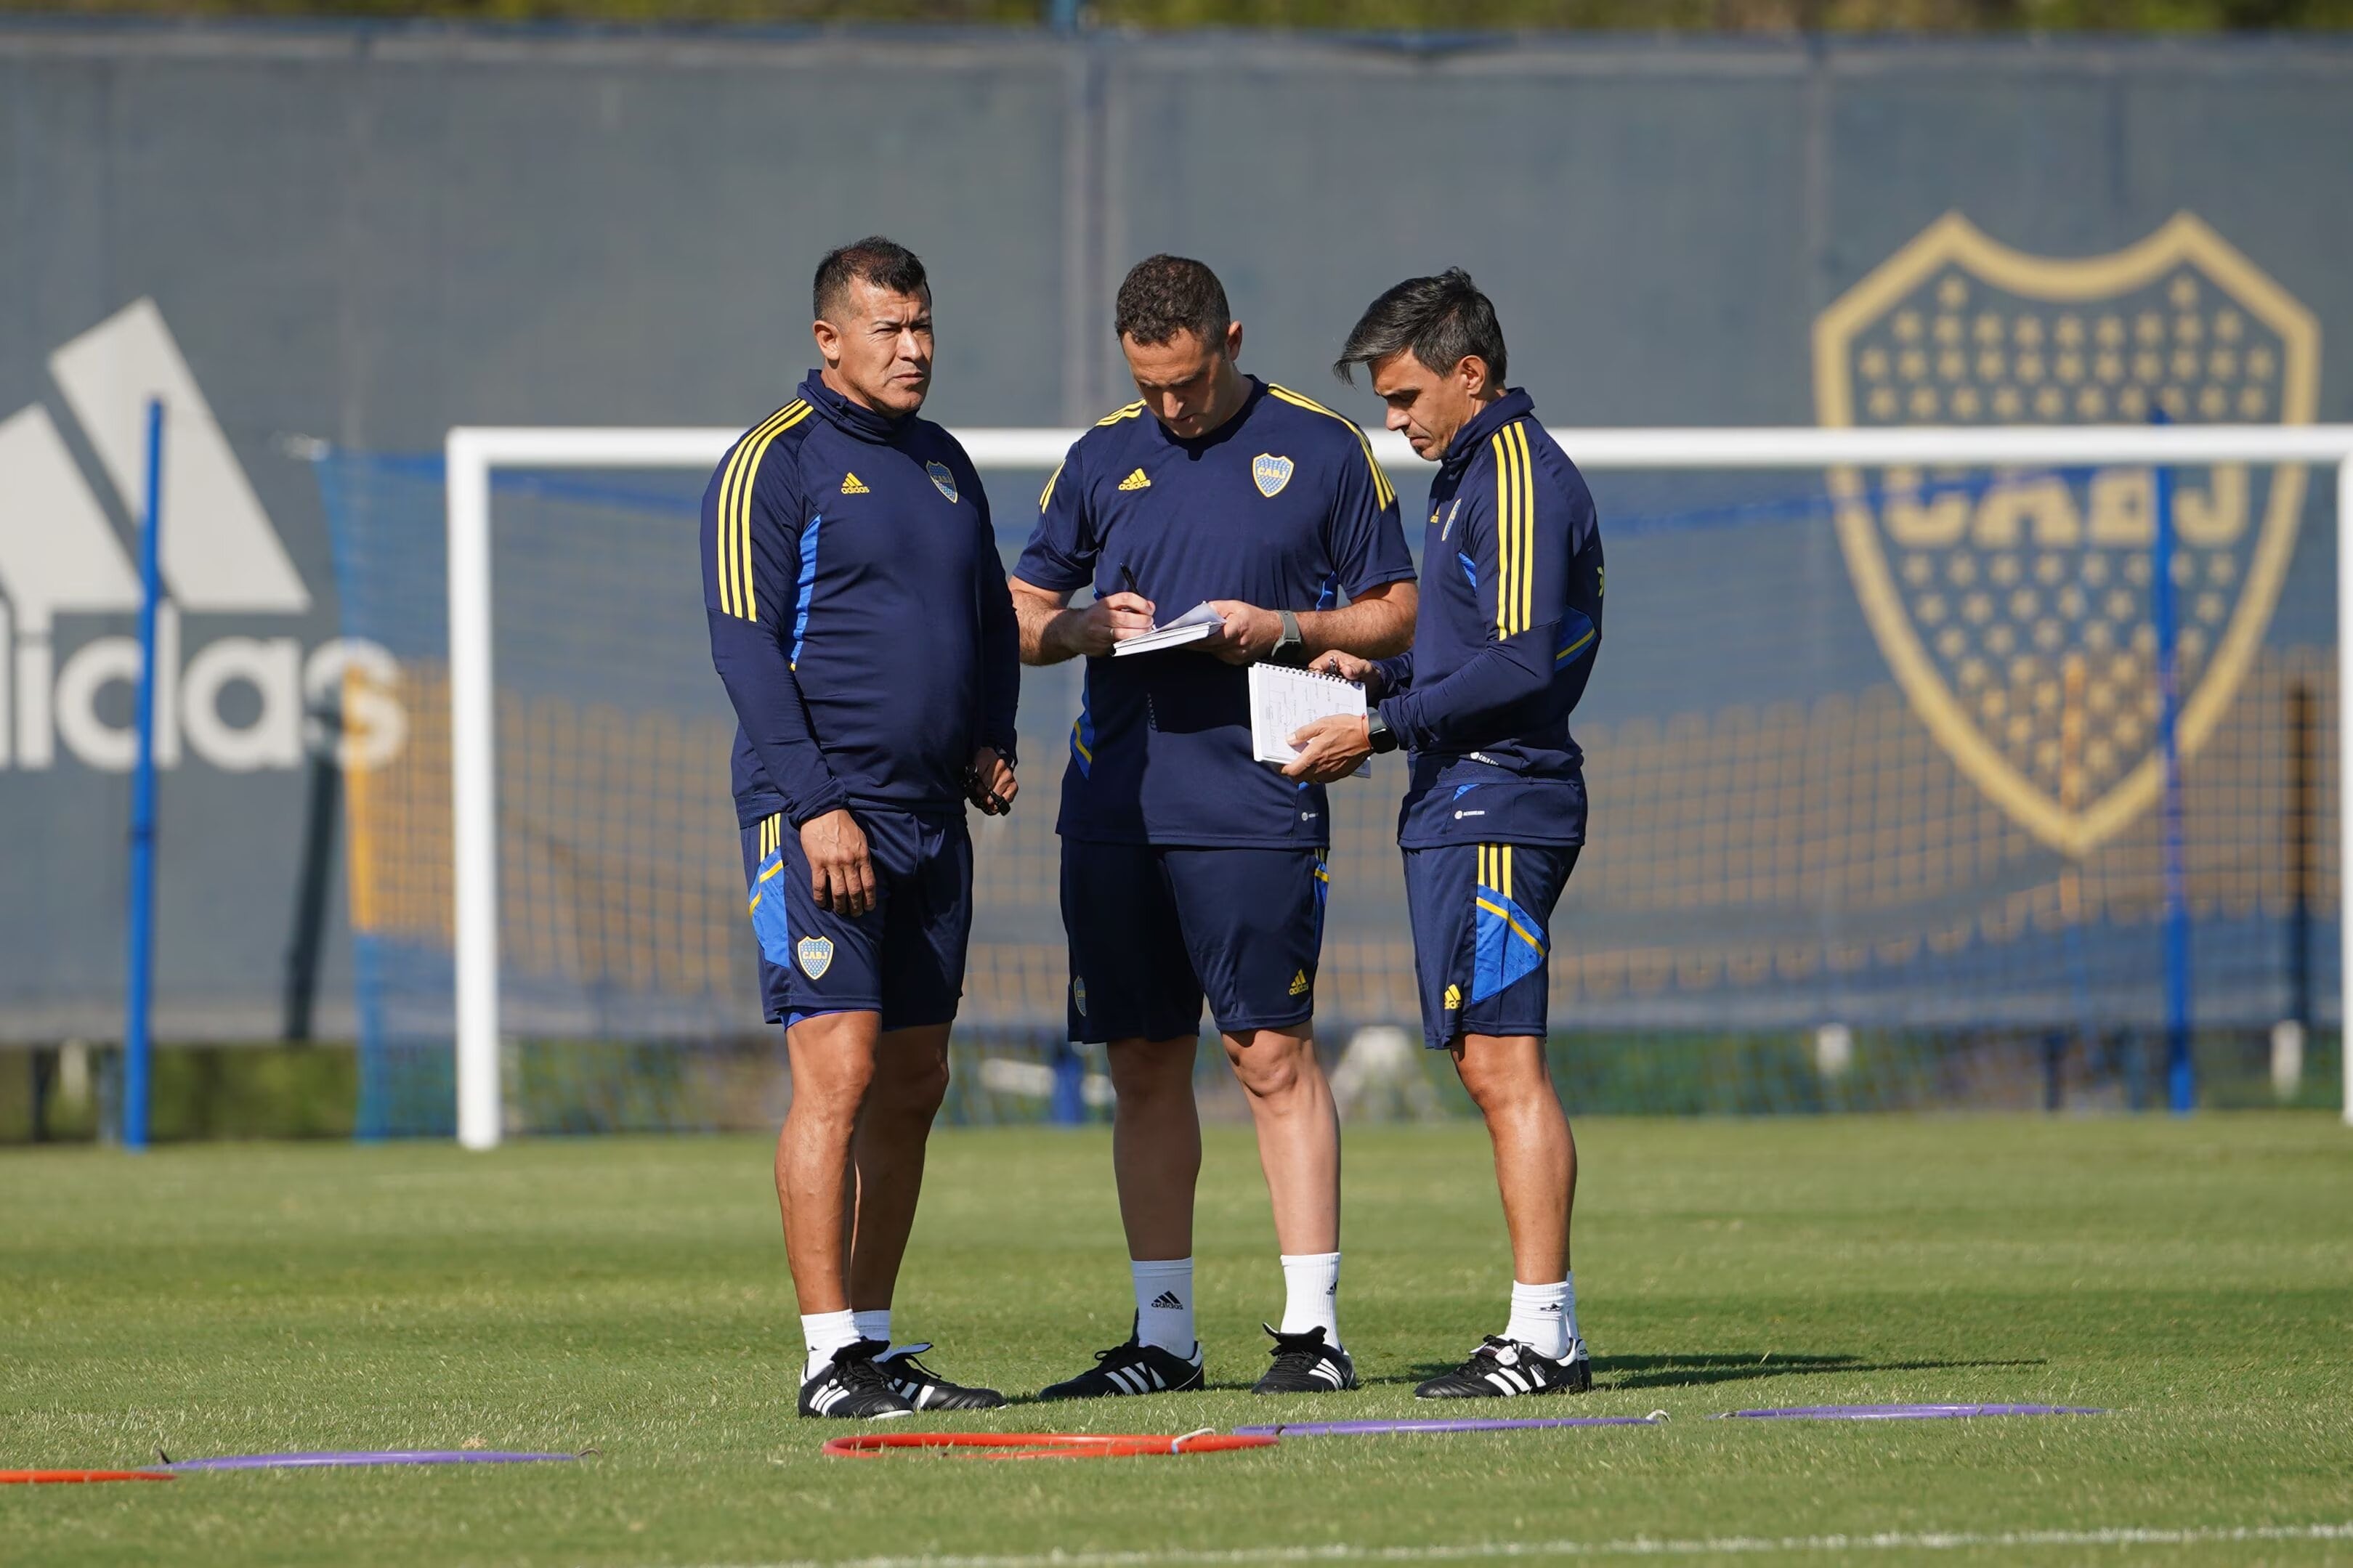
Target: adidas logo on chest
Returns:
[1135, 482]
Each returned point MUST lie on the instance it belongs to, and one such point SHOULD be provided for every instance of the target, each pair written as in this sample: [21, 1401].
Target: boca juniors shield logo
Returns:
[2015, 609]
[1270, 473]
[942, 480]
[816, 953]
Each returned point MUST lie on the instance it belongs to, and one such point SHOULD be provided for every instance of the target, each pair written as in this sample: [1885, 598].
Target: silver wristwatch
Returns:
[1287, 646]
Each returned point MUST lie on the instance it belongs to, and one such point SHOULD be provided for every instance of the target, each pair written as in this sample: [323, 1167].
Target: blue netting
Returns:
[1959, 862]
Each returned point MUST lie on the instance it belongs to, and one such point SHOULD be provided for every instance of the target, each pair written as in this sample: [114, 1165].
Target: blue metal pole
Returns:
[137, 1046]
[2181, 1076]
[1070, 1103]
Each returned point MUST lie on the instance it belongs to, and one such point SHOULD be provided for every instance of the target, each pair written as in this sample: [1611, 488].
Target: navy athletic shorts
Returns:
[1480, 918]
[1156, 929]
[903, 958]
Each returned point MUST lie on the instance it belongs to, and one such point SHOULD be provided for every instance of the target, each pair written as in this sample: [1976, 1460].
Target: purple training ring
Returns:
[1364, 1428]
[1903, 1412]
[363, 1456]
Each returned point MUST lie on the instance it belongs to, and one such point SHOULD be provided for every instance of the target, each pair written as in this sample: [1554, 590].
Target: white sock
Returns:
[1311, 1294]
[1164, 1304]
[1541, 1318]
[873, 1324]
[825, 1333]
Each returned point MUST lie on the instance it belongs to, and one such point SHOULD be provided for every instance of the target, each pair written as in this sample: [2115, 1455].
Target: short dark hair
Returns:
[885, 263]
[1165, 295]
[1442, 319]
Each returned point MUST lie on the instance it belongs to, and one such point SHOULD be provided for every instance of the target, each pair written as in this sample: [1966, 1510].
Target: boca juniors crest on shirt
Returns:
[1270, 473]
[942, 480]
[816, 953]
[2015, 609]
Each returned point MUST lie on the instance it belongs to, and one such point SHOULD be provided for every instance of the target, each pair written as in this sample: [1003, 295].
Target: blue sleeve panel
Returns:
[752, 534]
[859, 612]
[1533, 555]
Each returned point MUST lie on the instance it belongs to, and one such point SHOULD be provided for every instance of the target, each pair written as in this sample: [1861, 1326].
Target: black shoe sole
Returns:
[972, 1399]
[1057, 1396]
[1580, 1381]
[1318, 1386]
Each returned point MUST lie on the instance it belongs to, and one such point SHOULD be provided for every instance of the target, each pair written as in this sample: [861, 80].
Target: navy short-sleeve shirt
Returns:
[1282, 507]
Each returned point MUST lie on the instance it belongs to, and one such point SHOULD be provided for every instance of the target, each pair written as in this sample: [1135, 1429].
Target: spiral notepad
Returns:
[1282, 699]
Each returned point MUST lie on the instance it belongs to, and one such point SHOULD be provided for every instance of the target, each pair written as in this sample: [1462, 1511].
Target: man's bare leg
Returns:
[833, 1065]
[910, 1080]
[1536, 1171]
[1155, 1156]
[1298, 1134]
[1156, 1145]
[1299, 1151]
[1536, 1156]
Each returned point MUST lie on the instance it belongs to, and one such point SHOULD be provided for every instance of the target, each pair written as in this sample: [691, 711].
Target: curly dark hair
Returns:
[885, 263]
[1165, 295]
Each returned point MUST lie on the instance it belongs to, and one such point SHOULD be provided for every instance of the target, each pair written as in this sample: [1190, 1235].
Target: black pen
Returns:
[1128, 582]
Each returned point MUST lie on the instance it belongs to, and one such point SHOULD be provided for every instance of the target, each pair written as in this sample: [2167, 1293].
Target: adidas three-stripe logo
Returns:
[1328, 1373]
[828, 1397]
[1135, 482]
[1137, 1379]
[1166, 1301]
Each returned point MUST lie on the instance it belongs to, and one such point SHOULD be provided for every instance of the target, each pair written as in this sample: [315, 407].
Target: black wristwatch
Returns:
[1288, 647]
[1378, 731]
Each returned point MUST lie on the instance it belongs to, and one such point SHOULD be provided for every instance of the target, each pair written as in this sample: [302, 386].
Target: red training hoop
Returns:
[40, 1477]
[1044, 1444]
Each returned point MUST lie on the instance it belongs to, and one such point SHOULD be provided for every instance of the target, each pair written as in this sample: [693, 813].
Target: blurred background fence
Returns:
[1794, 898]
[353, 238]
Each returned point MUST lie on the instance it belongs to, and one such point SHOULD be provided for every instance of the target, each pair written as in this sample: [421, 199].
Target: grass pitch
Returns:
[2195, 1276]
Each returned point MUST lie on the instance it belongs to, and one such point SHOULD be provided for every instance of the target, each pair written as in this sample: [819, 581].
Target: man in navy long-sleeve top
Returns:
[861, 622]
[1493, 817]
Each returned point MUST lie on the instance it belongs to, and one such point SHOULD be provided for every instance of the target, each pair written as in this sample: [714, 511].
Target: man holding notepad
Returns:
[1495, 808]
[1191, 872]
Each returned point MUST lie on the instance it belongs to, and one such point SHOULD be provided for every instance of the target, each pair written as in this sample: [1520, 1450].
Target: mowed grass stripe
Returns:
[1710, 1546]
[629, 1295]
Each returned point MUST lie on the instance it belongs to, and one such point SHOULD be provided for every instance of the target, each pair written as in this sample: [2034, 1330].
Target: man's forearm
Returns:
[767, 700]
[1372, 627]
[1043, 629]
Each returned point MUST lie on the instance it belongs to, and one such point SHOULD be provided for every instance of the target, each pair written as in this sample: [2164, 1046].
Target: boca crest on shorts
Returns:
[904, 958]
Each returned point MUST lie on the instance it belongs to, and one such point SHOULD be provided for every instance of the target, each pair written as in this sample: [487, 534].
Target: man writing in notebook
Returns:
[1495, 807]
[1190, 871]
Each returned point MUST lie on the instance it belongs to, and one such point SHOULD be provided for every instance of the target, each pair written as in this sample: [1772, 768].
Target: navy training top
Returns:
[858, 610]
[1503, 641]
[1282, 507]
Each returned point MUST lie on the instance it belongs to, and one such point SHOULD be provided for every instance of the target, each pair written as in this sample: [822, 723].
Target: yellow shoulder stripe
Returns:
[1515, 533]
[1128, 411]
[733, 524]
[1048, 493]
[1382, 489]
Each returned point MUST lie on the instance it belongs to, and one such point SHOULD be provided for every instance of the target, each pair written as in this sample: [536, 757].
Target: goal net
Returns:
[1877, 753]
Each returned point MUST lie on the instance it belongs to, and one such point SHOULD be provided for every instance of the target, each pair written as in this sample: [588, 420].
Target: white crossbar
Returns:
[474, 452]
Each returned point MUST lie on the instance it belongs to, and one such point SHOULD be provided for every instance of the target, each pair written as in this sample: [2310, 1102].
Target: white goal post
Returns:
[474, 453]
